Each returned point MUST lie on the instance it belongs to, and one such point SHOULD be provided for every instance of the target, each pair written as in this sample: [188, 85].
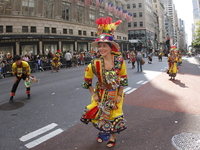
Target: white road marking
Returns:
[130, 91]
[139, 82]
[38, 132]
[43, 138]
[126, 89]
[145, 82]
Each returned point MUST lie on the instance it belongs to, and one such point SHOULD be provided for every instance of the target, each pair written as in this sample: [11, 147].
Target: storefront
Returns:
[7, 50]
[29, 48]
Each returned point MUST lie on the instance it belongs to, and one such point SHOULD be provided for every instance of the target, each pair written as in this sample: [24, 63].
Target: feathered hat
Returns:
[105, 31]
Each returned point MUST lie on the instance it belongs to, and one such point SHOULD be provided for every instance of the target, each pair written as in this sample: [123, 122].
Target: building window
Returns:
[64, 31]
[134, 6]
[80, 14]
[140, 5]
[46, 30]
[25, 29]
[92, 33]
[28, 7]
[65, 10]
[79, 32]
[134, 15]
[129, 24]
[1, 29]
[70, 31]
[33, 29]
[53, 30]
[128, 6]
[141, 24]
[9, 29]
[91, 17]
[5, 7]
[135, 24]
[48, 8]
[84, 33]
[140, 14]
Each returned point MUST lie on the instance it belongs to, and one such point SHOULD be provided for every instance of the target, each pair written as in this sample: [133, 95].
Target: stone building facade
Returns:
[40, 26]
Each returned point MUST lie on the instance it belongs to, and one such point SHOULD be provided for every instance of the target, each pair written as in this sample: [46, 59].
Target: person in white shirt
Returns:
[68, 58]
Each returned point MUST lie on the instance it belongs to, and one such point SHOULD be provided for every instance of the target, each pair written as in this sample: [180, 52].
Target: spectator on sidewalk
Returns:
[68, 58]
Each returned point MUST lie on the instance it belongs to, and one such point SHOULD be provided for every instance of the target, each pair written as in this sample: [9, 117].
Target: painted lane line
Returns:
[126, 89]
[37, 132]
[139, 82]
[43, 138]
[145, 82]
[130, 91]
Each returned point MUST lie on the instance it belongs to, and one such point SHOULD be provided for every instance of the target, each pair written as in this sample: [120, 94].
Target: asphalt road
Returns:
[58, 101]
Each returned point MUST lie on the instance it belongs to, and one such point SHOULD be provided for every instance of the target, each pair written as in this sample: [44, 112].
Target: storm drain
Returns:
[186, 141]
[11, 106]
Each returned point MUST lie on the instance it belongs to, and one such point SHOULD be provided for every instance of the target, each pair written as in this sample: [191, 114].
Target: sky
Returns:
[185, 12]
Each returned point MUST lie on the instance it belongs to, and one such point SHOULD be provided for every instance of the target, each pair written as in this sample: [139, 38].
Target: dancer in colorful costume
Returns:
[105, 110]
[172, 64]
[55, 63]
[20, 70]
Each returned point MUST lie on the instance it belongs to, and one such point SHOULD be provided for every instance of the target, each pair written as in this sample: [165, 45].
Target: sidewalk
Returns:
[155, 113]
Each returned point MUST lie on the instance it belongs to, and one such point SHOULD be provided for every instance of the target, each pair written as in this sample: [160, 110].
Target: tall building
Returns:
[171, 12]
[42, 26]
[196, 15]
[142, 31]
[158, 7]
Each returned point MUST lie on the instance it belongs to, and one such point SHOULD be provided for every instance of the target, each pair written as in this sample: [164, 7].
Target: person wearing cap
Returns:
[20, 70]
[105, 110]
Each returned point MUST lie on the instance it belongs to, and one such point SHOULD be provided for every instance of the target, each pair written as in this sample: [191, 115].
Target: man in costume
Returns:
[20, 70]
[105, 110]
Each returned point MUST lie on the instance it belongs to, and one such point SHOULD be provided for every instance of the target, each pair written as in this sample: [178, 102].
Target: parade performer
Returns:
[179, 62]
[20, 70]
[105, 110]
[172, 64]
[55, 63]
[132, 58]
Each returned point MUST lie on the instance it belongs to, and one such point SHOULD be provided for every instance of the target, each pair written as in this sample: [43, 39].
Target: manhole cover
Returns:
[11, 106]
[186, 141]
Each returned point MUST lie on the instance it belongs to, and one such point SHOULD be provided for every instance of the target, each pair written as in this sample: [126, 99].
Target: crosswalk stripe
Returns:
[38, 132]
[43, 138]
[126, 89]
[130, 91]
[144, 82]
[139, 82]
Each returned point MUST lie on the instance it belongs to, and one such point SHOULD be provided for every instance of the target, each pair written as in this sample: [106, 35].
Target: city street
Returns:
[161, 114]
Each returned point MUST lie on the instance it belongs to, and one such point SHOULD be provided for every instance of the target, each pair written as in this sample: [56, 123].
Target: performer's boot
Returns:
[11, 99]
[29, 97]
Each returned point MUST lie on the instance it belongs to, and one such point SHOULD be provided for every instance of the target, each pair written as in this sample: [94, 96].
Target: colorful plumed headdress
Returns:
[105, 31]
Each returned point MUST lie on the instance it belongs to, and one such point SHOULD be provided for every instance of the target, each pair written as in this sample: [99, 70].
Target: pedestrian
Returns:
[150, 56]
[172, 64]
[68, 58]
[160, 56]
[105, 110]
[20, 70]
[139, 61]
[132, 58]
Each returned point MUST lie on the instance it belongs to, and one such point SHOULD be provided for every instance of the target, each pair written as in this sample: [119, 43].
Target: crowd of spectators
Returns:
[41, 62]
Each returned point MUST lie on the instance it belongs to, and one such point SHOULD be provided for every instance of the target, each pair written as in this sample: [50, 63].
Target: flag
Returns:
[111, 7]
[87, 2]
[98, 3]
[124, 14]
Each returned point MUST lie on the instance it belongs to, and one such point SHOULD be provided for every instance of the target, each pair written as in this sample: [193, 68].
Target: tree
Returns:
[196, 42]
